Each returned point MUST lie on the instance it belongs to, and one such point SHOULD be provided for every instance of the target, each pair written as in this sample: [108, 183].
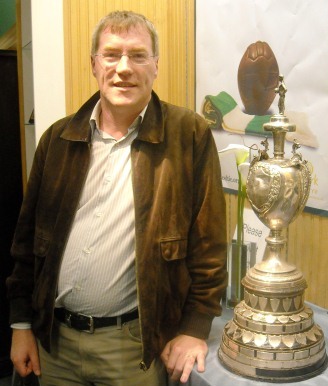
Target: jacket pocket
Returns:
[41, 246]
[174, 282]
[173, 249]
[40, 251]
[41, 280]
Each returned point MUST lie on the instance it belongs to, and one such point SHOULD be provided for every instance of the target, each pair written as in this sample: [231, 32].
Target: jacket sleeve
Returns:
[207, 240]
[21, 282]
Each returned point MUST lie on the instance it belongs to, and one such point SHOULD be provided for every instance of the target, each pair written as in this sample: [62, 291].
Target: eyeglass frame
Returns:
[130, 56]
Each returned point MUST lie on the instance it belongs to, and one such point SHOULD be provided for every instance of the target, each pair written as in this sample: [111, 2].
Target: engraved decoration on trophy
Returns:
[272, 335]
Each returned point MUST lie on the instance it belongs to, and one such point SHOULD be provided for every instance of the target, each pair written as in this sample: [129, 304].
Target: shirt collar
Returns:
[95, 124]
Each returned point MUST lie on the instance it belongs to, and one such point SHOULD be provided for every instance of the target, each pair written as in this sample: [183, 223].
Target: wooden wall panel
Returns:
[175, 22]
[307, 249]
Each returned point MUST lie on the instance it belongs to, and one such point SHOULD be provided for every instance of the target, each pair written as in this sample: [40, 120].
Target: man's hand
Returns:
[24, 353]
[180, 355]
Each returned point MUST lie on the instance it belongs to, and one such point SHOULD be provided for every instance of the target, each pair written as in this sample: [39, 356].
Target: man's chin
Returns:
[122, 101]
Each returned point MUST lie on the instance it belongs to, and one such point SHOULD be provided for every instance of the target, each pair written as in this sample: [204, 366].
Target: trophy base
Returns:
[274, 375]
[272, 335]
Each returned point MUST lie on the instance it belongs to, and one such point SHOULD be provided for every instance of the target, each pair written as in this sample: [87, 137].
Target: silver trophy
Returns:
[272, 335]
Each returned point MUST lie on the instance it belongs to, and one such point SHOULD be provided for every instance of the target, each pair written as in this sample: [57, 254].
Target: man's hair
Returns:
[123, 21]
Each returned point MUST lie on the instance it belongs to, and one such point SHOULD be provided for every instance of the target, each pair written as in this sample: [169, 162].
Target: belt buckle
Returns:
[68, 319]
[91, 324]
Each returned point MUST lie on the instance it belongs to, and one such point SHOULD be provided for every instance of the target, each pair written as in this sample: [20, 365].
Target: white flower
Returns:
[243, 172]
[241, 152]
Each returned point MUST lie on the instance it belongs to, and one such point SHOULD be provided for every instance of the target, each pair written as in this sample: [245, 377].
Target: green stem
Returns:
[240, 231]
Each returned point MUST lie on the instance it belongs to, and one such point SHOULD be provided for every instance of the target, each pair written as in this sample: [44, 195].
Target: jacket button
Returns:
[143, 366]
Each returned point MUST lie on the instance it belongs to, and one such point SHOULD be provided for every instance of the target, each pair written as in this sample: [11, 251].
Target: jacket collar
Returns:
[151, 128]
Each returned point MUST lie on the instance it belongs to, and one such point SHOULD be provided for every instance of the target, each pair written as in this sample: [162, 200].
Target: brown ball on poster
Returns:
[258, 76]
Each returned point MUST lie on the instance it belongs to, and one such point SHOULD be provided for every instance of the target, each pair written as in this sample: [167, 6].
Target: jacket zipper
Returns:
[142, 363]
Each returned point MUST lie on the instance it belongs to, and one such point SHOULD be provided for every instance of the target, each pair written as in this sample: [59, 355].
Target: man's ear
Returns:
[156, 71]
[93, 64]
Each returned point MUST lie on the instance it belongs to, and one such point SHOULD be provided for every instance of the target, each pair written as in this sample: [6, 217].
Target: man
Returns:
[121, 242]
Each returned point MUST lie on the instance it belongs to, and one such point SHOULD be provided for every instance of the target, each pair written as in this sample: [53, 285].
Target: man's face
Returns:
[125, 84]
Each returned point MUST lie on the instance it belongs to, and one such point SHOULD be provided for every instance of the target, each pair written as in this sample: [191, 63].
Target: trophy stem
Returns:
[272, 263]
[279, 144]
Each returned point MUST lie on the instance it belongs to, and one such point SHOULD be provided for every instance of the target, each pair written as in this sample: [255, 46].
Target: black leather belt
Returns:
[88, 323]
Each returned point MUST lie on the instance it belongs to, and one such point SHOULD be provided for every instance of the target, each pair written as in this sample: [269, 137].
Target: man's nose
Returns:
[124, 64]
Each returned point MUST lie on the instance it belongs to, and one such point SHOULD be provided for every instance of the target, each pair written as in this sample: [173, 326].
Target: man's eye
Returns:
[112, 55]
[139, 55]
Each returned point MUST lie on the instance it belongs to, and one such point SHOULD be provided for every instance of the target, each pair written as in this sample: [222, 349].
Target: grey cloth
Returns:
[216, 374]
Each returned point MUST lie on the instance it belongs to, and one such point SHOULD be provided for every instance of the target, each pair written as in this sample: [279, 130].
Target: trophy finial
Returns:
[281, 90]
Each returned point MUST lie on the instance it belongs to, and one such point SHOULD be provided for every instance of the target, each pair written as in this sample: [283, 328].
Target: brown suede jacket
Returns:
[180, 224]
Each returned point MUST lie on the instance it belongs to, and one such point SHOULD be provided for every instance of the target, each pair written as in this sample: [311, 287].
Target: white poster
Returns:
[282, 37]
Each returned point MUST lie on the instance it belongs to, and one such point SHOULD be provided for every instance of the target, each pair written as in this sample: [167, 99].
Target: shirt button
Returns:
[99, 214]
[87, 251]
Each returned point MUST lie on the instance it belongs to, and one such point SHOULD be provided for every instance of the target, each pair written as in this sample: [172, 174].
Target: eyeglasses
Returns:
[113, 58]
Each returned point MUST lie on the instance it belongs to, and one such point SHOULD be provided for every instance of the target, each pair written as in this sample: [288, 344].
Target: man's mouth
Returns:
[123, 85]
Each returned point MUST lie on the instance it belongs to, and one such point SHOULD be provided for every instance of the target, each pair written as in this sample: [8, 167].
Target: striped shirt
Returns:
[97, 275]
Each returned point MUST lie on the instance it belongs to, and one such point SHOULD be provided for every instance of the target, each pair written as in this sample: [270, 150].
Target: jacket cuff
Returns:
[196, 324]
[20, 311]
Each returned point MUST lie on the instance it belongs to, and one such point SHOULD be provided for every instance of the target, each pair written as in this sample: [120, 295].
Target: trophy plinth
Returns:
[272, 335]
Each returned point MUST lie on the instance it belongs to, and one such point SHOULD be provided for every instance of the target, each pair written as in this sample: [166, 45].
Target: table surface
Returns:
[216, 375]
